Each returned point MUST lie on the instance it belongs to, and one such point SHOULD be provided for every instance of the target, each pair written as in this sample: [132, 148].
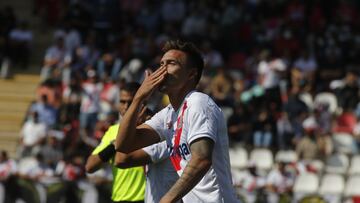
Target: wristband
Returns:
[107, 153]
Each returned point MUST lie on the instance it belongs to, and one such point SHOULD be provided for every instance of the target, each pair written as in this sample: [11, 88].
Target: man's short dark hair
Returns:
[194, 58]
[131, 87]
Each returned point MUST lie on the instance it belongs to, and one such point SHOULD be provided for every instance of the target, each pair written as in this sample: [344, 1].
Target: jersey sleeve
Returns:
[202, 122]
[157, 152]
[157, 122]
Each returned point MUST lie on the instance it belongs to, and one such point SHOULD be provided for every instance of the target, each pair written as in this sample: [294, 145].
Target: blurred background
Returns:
[284, 72]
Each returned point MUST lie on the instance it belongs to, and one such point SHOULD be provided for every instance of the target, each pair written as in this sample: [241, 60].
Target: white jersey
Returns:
[160, 174]
[201, 119]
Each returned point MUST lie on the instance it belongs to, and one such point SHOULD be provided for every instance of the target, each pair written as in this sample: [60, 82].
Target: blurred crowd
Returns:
[285, 73]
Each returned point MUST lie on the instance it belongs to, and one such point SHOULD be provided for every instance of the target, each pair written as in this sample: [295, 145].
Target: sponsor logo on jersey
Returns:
[182, 150]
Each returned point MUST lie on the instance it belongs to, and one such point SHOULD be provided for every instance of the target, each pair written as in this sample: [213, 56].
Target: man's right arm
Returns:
[135, 158]
[151, 154]
[131, 137]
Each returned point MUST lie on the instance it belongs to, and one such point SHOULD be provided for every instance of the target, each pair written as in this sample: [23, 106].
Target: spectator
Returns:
[109, 98]
[71, 100]
[307, 148]
[20, 44]
[109, 66]
[270, 73]
[297, 111]
[220, 88]
[345, 122]
[347, 90]
[263, 129]
[85, 57]
[47, 113]
[239, 125]
[285, 132]
[51, 150]
[251, 184]
[32, 135]
[73, 173]
[279, 184]
[56, 59]
[8, 172]
[133, 70]
[307, 65]
[90, 107]
[71, 36]
[213, 58]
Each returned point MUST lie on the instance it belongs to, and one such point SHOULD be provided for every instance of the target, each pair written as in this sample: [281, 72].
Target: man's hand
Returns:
[150, 83]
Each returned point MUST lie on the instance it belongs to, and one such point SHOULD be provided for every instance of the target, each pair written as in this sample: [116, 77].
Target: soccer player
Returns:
[193, 125]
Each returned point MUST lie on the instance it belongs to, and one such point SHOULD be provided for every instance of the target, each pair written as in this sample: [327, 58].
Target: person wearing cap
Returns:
[307, 148]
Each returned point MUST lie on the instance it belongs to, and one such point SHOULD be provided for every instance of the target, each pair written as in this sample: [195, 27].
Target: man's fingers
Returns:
[147, 74]
[159, 72]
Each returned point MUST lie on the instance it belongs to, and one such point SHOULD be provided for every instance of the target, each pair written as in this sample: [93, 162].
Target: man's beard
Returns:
[165, 83]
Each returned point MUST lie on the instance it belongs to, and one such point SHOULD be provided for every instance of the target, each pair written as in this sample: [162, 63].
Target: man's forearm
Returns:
[193, 173]
[93, 163]
[199, 164]
[127, 130]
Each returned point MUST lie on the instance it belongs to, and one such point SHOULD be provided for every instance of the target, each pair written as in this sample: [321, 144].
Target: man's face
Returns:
[178, 72]
[125, 101]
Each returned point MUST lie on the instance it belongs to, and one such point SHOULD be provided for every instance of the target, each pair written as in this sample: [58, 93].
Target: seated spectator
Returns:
[52, 149]
[263, 129]
[284, 131]
[251, 184]
[345, 122]
[109, 65]
[35, 168]
[71, 101]
[72, 172]
[297, 111]
[279, 184]
[307, 66]
[315, 144]
[85, 57]
[20, 44]
[32, 135]
[56, 59]
[47, 114]
[239, 125]
[52, 89]
[221, 85]
[71, 36]
[8, 185]
[36, 174]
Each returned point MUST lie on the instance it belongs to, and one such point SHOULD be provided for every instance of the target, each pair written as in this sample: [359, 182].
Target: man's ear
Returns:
[193, 74]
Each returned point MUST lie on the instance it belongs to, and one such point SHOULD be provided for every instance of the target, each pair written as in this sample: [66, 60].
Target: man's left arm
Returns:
[199, 164]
